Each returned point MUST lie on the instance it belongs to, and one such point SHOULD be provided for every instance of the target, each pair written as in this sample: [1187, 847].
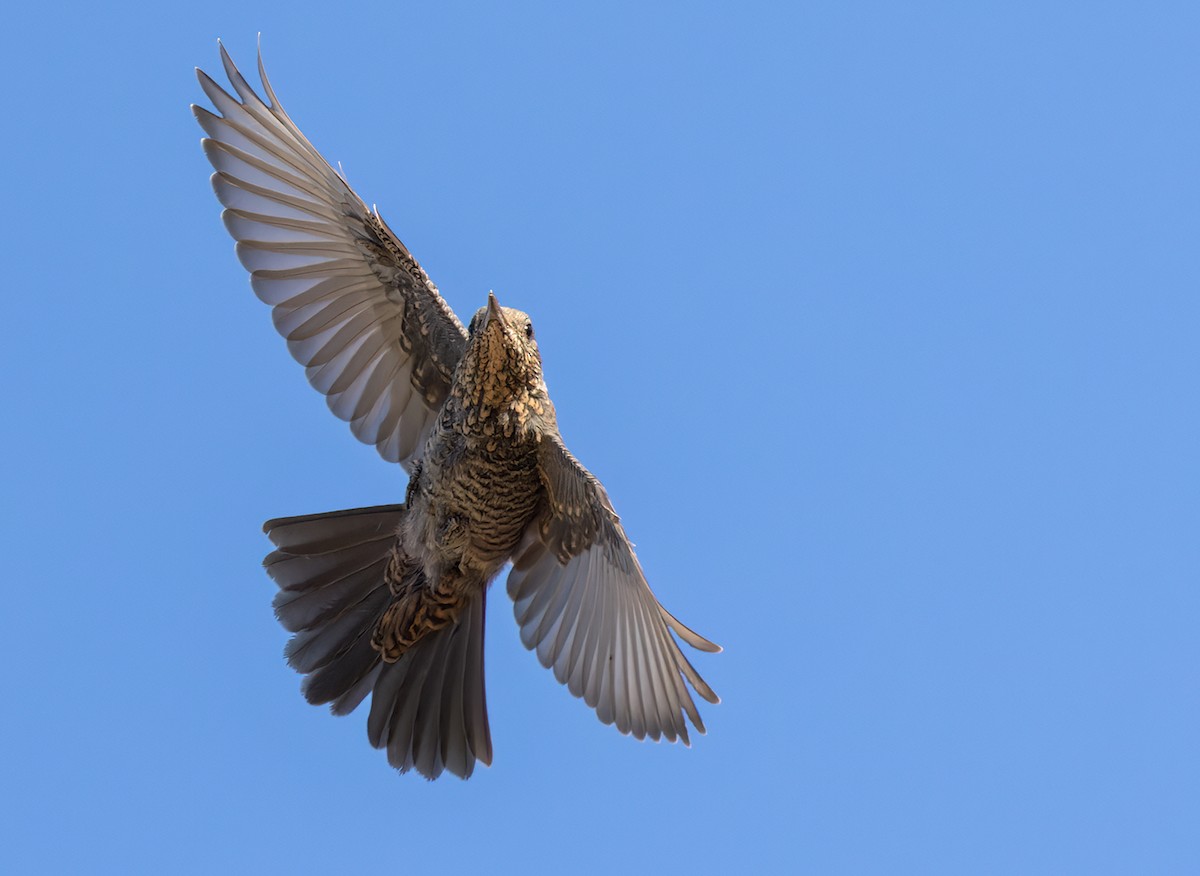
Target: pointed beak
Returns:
[493, 311]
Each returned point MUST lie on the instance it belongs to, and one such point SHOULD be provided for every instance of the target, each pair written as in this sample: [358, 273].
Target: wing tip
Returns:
[689, 635]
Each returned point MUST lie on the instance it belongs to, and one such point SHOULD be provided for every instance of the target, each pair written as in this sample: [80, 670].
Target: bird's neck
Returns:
[498, 414]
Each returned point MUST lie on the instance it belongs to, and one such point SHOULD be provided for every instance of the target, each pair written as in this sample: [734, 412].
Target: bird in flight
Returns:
[389, 600]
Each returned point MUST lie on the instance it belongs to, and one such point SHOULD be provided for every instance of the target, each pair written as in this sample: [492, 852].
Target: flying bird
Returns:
[390, 600]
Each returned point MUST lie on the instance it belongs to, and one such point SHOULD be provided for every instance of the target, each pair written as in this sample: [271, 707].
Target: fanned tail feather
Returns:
[428, 709]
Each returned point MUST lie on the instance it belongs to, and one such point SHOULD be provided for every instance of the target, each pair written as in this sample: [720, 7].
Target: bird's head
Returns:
[502, 364]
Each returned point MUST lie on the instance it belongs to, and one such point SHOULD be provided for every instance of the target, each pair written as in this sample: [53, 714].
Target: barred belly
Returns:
[496, 494]
[468, 506]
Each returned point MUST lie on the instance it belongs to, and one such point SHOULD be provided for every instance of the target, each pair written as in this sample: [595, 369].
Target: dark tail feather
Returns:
[429, 708]
[330, 571]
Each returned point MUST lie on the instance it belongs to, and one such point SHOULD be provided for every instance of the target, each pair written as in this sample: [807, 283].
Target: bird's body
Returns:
[476, 488]
[390, 601]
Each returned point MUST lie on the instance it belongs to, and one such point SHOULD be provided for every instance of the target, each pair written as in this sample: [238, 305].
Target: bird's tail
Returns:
[428, 709]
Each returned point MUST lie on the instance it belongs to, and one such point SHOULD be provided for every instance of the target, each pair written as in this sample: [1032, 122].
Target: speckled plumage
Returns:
[390, 601]
[476, 487]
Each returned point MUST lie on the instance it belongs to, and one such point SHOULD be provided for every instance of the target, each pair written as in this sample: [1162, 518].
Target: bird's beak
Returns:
[493, 311]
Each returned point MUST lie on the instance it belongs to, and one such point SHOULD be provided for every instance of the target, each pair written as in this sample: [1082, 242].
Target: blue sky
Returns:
[878, 324]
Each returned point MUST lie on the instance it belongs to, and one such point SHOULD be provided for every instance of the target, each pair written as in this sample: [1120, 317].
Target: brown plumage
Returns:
[390, 601]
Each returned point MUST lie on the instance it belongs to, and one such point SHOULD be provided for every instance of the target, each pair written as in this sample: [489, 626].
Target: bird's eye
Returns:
[529, 329]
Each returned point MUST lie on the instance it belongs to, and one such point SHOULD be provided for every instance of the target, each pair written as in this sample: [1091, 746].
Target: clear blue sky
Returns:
[880, 326]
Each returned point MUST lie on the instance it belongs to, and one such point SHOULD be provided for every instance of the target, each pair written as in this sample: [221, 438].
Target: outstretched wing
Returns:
[357, 310]
[583, 603]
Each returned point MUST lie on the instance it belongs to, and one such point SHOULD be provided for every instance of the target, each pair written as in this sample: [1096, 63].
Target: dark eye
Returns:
[529, 329]
[471, 327]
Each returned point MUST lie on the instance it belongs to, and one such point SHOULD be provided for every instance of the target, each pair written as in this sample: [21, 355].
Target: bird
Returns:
[389, 601]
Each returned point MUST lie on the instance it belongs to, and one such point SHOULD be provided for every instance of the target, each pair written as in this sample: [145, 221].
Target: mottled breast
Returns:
[477, 497]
